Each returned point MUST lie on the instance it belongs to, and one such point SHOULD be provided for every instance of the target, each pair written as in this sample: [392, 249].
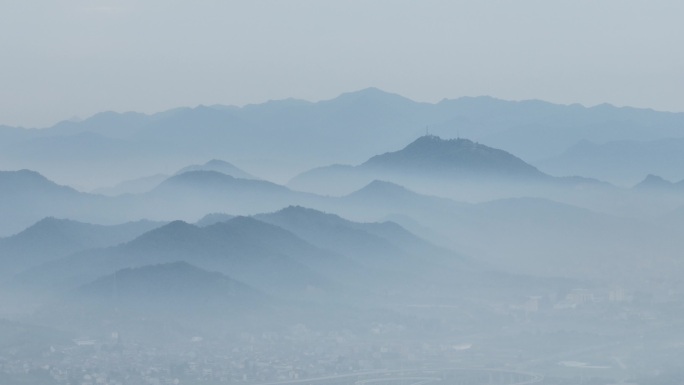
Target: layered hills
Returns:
[253, 252]
[147, 183]
[52, 238]
[355, 126]
[28, 196]
[412, 249]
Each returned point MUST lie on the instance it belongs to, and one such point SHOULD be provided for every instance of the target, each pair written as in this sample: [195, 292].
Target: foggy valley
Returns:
[424, 258]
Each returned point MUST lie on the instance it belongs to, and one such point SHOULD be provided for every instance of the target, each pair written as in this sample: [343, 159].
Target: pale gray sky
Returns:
[75, 57]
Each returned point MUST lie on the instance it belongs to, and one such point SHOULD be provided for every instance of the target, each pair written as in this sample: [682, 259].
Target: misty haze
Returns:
[313, 193]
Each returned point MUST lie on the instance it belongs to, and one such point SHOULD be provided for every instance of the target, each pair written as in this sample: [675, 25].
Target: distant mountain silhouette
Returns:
[382, 196]
[172, 287]
[454, 157]
[383, 246]
[214, 218]
[304, 222]
[109, 123]
[195, 193]
[347, 129]
[51, 238]
[133, 186]
[29, 182]
[622, 161]
[490, 230]
[428, 158]
[94, 160]
[27, 197]
[301, 254]
[383, 189]
[219, 166]
[217, 182]
[160, 303]
[656, 183]
[251, 251]
[331, 231]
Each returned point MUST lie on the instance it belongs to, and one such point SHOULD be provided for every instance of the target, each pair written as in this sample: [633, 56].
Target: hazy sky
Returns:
[75, 58]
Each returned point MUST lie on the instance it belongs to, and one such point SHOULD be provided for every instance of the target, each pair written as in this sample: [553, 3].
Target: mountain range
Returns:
[241, 273]
[130, 249]
[29, 197]
[268, 137]
[247, 266]
[376, 245]
[453, 168]
[259, 254]
[390, 185]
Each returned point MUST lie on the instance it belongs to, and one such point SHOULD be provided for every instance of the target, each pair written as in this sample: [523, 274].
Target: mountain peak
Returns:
[653, 181]
[373, 95]
[178, 231]
[434, 155]
[383, 187]
[300, 213]
[369, 91]
[220, 166]
[654, 178]
[383, 191]
[52, 225]
[28, 182]
[216, 162]
[199, 176]
[170, 285]
[298, 210]
[49, 222]
[431, 141]
[24, 175]
[244, 226]
[213, 218]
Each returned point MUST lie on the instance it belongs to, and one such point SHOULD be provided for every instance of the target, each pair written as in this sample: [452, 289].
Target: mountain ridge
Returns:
[430, 151]
[347, 129]
[427, 159]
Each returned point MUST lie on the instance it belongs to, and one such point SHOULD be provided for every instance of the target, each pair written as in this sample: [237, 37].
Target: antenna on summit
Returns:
[427, 131]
